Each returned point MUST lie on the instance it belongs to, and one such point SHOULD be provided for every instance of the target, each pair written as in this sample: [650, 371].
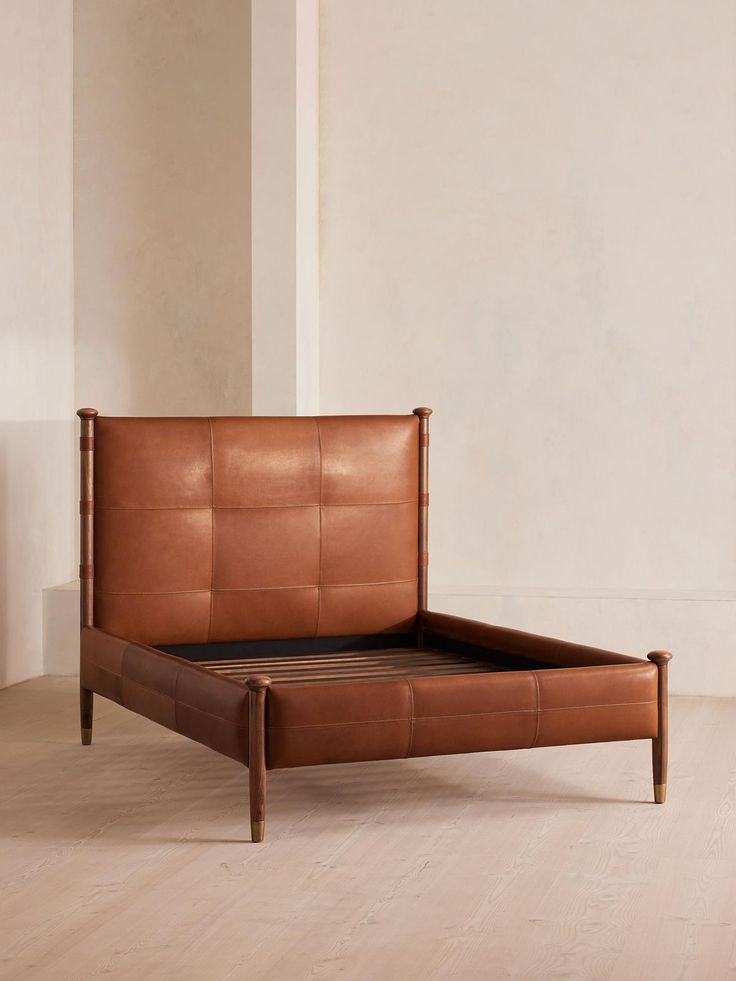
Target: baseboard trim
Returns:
[584, 592]
[698, 626]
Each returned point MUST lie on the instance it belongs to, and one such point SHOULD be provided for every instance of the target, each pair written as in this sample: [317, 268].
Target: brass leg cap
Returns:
[257, 830]
[660, 793]
[87, 737]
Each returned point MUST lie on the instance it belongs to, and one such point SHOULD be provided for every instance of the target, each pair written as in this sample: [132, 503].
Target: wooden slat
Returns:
[348, 666]
[388, 663]
[398, 654]
[351, 675]
[341, 657]
[353, 666]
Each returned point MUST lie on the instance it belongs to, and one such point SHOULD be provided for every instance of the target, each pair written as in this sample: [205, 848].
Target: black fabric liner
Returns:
[242, 650]
[292, 647]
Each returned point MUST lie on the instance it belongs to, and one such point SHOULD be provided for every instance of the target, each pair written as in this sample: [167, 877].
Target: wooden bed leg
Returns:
[86, 552]
[659, 745]
[258, 686]
[86, 705]
[423, 413]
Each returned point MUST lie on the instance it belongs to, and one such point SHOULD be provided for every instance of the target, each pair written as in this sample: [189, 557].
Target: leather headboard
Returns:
[224, 529]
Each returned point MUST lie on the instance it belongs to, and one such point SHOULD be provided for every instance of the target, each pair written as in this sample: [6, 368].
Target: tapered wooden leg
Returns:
[86, 705]
[258, 686]
[659, 745]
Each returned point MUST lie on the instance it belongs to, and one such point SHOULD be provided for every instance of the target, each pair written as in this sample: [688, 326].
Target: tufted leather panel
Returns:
[210, 530]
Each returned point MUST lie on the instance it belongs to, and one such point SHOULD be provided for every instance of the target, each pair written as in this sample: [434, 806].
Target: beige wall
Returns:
[162, 206]
[36, 329]
[285, 206]
[161, 155]
[528, 221]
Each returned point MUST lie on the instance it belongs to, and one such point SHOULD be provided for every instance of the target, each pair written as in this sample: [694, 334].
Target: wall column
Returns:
[285, 206]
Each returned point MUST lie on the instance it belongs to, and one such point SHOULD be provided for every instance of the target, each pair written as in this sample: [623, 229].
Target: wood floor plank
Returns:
[130, 858]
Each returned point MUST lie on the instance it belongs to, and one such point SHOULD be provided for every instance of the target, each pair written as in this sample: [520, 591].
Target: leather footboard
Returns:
[344, 723]
[175, 693]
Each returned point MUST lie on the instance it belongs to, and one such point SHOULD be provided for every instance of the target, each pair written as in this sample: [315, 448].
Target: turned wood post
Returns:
[257, 686]
[423, 413]
[86, 551]
[659, 744]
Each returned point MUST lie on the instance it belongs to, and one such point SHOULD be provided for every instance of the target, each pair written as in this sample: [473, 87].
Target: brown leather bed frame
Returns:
[260, 585]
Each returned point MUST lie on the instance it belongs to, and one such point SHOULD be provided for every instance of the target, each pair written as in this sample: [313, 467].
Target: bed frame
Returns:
[260, 585]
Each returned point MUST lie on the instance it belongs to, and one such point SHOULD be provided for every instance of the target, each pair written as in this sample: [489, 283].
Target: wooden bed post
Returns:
[86, 551]
[257, 686]
[423, 413]
[659, 745]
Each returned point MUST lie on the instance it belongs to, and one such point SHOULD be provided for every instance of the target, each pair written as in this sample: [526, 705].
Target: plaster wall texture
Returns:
[528, 222]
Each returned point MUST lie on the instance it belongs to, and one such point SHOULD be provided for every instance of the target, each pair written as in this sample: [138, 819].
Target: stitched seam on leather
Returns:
[319, 574]
[253, 507]
[167, 507]
[220, 718]
[411, 719]
[193, 708]
[333, 725]
[558, 708]
[382, 582]
[165, 592]
[536, 728]
[99, 667]
[254, 589]
[212, 531]
[596, 705]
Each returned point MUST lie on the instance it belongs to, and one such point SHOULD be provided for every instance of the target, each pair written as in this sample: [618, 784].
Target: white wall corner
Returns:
[285, 206]
[61, 629]
[689, 623]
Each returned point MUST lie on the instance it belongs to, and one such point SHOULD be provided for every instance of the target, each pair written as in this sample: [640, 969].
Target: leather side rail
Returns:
[175, 693]
[347, 722]
[534, 646]
[519, 710]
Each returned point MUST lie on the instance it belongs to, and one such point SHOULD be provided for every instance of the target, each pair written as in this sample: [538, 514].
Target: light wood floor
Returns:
[131, 859]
